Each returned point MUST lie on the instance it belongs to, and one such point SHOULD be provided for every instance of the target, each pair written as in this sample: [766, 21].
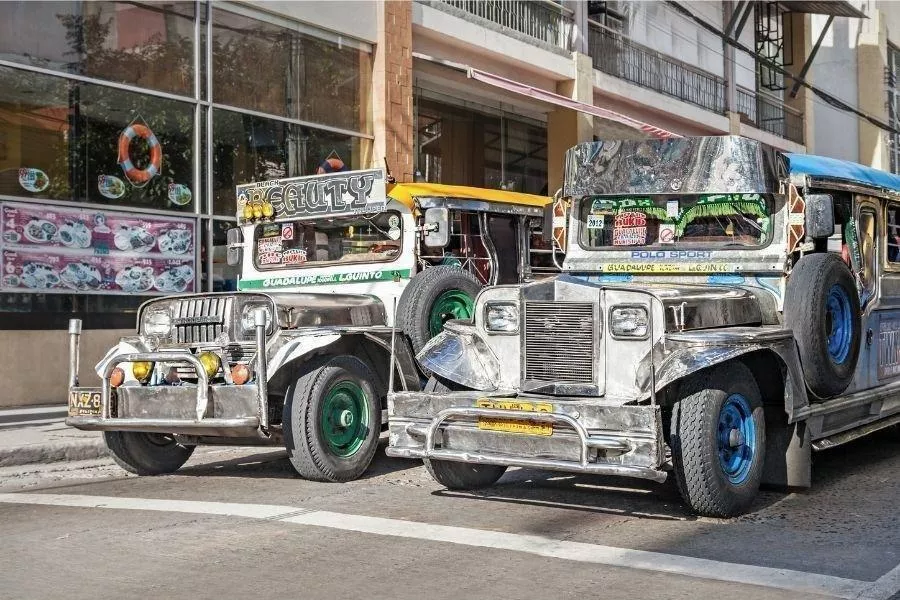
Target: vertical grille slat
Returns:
[193, 334]
[548, 325]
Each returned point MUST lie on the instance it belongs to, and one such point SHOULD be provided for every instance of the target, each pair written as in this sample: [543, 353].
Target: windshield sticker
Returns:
[394, 233]
[667, 234]
[630, 229]
[672, 209]
[350, 192]
[668, 268]
[291, 258]
[671, 254]
[326, 279]
[287, 231]
[596, 222]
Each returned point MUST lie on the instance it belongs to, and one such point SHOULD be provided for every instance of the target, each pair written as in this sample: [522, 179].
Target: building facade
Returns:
[124, 126]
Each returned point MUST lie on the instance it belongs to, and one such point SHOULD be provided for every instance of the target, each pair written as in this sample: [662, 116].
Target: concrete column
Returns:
[566, 127]
[871, 60]
[392, 98]
[579, 37]
[801, 45]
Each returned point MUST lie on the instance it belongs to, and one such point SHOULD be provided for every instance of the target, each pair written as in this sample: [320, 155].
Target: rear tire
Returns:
[146, 453]
[718, 440]
[332, 420]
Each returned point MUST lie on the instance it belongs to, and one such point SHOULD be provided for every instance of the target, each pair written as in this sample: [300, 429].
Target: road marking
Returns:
[785, 579]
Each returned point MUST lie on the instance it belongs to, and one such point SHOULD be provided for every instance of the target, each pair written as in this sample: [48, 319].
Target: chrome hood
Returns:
[328, 310]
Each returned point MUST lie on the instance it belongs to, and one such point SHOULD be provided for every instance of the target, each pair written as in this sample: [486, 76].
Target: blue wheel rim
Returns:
[838, 321]
[736, 439]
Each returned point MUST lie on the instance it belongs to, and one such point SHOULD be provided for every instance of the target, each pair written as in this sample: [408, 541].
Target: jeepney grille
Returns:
[213, 311]
[560, 338]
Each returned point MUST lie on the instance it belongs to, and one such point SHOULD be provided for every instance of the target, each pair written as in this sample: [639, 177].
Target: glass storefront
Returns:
[105, 108]
[463, 146]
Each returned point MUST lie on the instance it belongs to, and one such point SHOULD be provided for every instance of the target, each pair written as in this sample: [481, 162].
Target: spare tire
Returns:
[821, 306]
[432, 298]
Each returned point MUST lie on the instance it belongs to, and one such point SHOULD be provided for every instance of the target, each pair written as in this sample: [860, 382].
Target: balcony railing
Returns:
[770, 114]
[615, 54]
[542, 20]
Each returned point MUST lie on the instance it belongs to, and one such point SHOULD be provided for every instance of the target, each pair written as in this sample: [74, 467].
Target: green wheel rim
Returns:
[452, 304]
[345, 418]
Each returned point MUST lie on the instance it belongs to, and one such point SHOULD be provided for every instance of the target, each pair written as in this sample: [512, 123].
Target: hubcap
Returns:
[452, 304]
[736, 438]
[345, 418]
[838, 324]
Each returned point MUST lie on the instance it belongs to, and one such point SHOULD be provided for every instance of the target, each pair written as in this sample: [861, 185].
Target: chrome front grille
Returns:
[200, 320]
[560, 342]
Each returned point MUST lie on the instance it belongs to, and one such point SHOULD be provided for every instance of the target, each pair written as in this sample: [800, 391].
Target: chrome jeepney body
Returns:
[562, 389]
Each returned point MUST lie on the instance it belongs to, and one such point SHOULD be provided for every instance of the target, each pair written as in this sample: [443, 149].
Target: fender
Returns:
[687, 359]
[296, 346]
[460, 355]
[125, 346]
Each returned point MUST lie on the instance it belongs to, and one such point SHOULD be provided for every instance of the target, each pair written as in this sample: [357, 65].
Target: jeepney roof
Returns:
[406, 193]
[826, 168]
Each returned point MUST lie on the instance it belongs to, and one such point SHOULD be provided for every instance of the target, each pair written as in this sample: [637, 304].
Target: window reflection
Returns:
[142, 44]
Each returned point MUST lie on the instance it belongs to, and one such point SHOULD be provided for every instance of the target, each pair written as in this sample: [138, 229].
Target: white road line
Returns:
[786, 579]
[36, 410]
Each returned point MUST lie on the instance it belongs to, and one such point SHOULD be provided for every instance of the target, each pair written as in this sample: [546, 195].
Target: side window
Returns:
[893, 233]
[867, 249]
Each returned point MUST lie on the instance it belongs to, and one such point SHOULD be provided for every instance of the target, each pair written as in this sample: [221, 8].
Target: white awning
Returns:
[560, 100]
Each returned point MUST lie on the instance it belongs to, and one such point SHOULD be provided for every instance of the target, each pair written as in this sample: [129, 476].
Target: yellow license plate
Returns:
[515, 425]
[84, 403]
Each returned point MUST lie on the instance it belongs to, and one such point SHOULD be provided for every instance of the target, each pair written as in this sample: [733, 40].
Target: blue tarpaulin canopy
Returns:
[844, 170]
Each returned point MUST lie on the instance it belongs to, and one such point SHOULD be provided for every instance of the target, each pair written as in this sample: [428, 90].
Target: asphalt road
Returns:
[240, 524]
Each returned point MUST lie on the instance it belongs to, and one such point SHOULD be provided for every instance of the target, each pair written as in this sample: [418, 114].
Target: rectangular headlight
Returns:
[629, 322]
[501, 317]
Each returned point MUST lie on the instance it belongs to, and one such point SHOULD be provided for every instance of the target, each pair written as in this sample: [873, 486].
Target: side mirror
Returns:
[819, 215]
[437, 227]
[235, 246]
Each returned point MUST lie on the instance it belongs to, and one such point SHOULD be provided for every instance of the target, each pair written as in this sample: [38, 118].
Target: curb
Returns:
[53, 452]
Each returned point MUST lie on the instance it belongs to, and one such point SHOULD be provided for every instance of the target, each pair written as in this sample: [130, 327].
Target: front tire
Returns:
[463, 476]
[718, 440]
[146, 453]
[332, 420]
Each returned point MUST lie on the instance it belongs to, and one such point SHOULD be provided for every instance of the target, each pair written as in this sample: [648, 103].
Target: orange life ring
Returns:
[134, 174]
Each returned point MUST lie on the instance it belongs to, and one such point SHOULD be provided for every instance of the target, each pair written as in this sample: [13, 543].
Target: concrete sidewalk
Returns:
[40, 435]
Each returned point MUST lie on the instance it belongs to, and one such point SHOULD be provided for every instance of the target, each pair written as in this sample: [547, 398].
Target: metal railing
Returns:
[542, 20]
[770, 114]
[615, 54]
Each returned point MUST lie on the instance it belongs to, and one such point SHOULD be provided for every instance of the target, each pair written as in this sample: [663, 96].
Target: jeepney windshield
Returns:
[672, 221]
[363, 238]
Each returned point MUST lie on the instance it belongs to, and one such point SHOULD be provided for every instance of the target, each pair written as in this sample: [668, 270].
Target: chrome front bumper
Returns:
[225, 410]
[589, 435]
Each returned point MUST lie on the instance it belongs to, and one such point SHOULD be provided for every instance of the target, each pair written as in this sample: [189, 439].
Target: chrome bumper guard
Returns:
[406, 433]
[200, 394]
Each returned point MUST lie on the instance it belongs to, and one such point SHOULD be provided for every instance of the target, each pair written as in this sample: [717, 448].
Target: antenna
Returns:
[387, 167]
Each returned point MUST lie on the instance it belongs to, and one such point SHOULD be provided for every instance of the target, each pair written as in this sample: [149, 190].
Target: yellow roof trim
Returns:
[405, 193]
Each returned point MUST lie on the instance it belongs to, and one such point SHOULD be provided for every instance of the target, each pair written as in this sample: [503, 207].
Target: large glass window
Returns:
[281, 71]
[74, 136]
[248, 148]
[139, 43]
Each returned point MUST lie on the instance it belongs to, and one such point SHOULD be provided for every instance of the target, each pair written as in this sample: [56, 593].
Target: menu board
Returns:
[49, 249]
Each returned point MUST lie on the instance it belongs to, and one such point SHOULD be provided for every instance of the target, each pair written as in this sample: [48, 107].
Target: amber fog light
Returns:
[210, 363]
[142, 370]
[240, 374]
[116, 377]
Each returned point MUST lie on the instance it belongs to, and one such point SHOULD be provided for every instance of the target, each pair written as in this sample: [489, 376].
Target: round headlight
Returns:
[248, 321]
[157, 322]
[502, 317]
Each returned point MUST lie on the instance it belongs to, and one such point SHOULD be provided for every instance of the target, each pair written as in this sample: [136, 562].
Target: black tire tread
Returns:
[463, 476]
[411, 315]
[134, 453]
[695, 468]
[305, 457]
[808, 280]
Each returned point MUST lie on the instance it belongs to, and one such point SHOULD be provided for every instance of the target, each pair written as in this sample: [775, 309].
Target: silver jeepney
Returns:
[605, 368]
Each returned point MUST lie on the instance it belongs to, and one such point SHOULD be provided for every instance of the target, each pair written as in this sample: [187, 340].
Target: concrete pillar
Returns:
[871, 60]
[392, 98]
[801, 45]
[566, 127]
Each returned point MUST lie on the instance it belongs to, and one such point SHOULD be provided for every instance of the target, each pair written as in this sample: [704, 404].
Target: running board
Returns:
[852, 434]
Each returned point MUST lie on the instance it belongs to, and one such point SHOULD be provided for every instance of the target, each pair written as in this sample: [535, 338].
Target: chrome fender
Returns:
[297, 346]
[460, 355]
[125, 346]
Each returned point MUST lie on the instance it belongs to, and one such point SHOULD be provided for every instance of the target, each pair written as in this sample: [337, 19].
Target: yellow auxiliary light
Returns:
[268, 210]
[257, 211]
[142, 370]
[247, 212]
[210, 362]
